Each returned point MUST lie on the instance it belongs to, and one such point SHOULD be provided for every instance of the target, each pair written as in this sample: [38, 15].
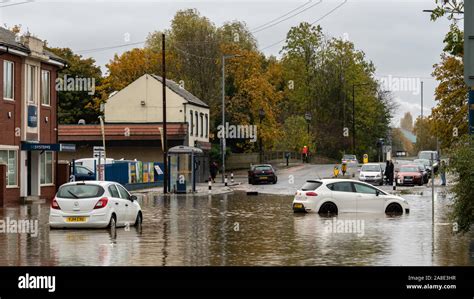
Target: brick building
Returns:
[28, 113]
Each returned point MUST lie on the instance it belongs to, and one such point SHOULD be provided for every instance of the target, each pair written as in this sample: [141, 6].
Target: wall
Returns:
[241, 161]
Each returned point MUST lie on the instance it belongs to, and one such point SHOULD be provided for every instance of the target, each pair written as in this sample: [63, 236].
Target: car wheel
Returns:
[139, 219]
[275, 180]
[394, 209]
[250, 181]
[113, 226]
[328, 208]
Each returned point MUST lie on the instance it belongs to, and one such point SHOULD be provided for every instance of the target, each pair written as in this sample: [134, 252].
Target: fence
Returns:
[135, 175]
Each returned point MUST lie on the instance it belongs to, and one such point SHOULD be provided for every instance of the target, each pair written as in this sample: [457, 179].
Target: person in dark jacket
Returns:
[387, 171]
[390, 173]
[213, 170]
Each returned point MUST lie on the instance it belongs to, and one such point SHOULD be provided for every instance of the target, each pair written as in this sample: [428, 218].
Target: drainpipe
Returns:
[57, 127]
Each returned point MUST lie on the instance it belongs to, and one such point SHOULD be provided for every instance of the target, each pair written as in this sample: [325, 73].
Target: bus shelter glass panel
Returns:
[181, 172]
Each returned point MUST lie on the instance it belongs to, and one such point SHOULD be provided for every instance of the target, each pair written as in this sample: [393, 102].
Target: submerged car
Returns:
[262, 173]
[333, 196]
[410, 175]
[94, 204]
[371, 173]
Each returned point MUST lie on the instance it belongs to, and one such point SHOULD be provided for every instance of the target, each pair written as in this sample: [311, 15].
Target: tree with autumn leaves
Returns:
[315, 74]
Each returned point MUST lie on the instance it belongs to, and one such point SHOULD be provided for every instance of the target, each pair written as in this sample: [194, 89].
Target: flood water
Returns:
[236, 229]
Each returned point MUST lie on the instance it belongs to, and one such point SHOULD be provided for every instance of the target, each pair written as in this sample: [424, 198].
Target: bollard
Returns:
[394, 184]
[232, 177]
[209, 183]
[225, 180]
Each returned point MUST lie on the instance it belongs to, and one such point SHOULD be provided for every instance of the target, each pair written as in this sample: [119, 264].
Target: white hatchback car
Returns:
[332, 196]
[94, 204]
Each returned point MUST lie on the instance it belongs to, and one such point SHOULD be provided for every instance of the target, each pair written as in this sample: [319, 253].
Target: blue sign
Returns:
[54, 147]
[32, 116]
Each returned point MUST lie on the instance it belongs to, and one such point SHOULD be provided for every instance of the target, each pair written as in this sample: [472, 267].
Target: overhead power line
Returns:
[314, 22]
[287, 18]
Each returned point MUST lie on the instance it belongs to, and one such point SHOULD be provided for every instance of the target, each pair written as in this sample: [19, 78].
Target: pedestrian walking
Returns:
[387, 171]
[442, 172]
[335, 171]
[344, 168]
[305, 154]
[390, 173]
[213, 170]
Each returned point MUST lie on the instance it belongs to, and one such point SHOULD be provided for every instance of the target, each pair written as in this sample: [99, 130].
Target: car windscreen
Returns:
[427, 155]
[311, 185]
[371, 168]
[409, 169]
[80, 191]
[349, 157]
[422, 161]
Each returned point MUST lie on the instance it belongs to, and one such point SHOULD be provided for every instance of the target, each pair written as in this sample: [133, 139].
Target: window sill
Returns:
[9, 100]
[46, 106]
[47, 185]
[13, 187]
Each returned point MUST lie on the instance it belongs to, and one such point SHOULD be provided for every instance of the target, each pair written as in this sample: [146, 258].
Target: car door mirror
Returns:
[377, 193]
[133, 197]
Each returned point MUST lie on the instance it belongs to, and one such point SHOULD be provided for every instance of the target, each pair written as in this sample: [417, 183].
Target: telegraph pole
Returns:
[165, 141]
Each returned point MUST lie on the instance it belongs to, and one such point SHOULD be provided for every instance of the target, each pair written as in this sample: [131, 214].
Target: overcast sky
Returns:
[396, 36]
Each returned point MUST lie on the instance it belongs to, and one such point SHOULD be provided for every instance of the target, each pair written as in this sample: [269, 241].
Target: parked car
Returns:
[424, 171]
[262, 173]
[426, 163]
[94, 204]
[371, 173]
[350, 160]
[333, 196]
[427, 156]
[409, 174]
[83, 173]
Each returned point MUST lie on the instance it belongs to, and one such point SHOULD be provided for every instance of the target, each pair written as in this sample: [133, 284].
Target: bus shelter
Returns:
[183, 164]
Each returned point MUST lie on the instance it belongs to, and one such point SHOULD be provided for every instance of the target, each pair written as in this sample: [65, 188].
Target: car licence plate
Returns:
[76, 219]
[297, 206]
[263, 177]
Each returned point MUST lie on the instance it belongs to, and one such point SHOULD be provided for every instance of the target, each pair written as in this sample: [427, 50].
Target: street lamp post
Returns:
[353, 116]
[223, 145]
[261, 115]
[308, 118]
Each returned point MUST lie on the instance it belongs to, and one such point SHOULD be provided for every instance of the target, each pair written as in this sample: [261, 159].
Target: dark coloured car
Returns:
[83, 173]
[262, 173]
[409, 174]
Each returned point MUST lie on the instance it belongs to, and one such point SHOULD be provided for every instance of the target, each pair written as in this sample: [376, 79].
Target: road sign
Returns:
[98, 151]
[469, 43]
[386, 148]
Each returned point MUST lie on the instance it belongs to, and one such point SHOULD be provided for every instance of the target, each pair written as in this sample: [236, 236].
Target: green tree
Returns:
[425, 140]
[295, 135]
[406, 122]
[75, 105]
[461, 164]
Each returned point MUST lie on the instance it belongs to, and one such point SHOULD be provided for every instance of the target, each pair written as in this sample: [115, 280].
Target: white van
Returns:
[89, 162]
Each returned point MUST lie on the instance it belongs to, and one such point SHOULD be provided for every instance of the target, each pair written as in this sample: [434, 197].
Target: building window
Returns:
[8, 157]
[30, 83]
[45, 88]
[202, 124]
[46, 160]
[207, 125]
[8, 80]
[191, 126]
[197, 124]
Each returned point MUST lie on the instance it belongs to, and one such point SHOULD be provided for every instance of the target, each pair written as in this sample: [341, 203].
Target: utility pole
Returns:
[165, 141]
[421, 99]
[353, 120]
[223, 119]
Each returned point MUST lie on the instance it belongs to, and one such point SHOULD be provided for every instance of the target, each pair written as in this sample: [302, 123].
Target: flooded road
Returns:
[236, 229]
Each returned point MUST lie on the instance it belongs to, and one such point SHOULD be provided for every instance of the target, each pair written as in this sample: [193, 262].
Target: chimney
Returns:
[35, 45]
